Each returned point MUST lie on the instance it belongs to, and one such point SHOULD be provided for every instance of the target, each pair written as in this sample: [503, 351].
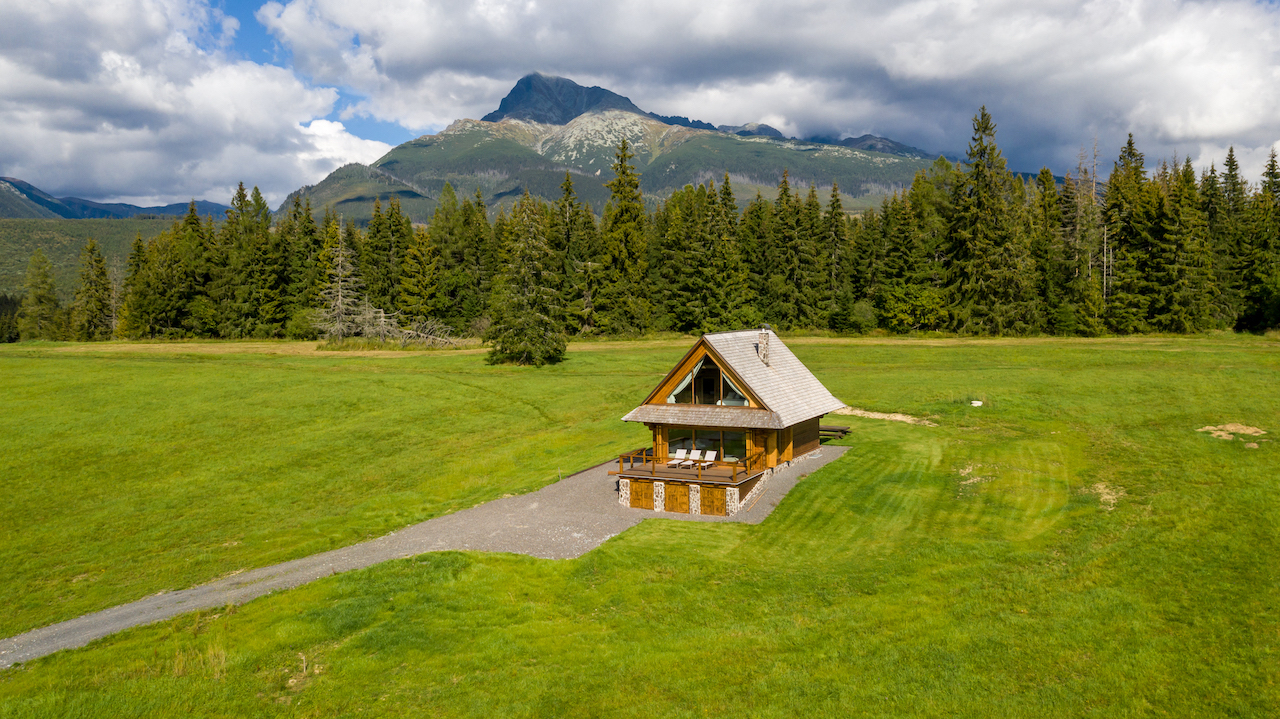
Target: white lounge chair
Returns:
[695, 457]
[709, 459]
[679, 456]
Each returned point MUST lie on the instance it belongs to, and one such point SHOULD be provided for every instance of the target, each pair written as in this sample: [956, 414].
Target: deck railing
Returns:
[743, 468]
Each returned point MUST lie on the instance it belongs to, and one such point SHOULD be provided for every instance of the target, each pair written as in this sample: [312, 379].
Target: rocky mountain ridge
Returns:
[547, 127]
[22, 200]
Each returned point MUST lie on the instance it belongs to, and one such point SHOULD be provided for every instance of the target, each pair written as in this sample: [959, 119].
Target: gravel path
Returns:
[561, 521]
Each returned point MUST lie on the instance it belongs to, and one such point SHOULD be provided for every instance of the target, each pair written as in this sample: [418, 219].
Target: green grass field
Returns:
[1071, 548]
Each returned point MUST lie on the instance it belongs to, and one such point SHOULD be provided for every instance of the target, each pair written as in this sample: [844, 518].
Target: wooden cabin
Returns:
[742, 395]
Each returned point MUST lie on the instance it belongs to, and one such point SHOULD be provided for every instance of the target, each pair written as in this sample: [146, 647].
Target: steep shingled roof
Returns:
[787, 389]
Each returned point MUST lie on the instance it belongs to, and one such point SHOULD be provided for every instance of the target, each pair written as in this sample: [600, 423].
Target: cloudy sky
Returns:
[152, 101]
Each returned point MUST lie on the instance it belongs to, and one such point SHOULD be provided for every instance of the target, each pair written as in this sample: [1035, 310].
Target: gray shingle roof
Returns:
[789, 391]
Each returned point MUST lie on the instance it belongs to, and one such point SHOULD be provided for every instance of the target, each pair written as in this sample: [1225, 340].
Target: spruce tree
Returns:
[419, 291]
[833, 245]
[203, 262]
[1260, 259]
[9, 308]
[755, 237]
[992, 277]
[784, 255]
[92, 309]
[40, 317]
[1130, 217]
[812, 278]
[575, 230]
[623, 306]
[305, 242]
[129, 323]
[375, 252]
[1082, 263]
[526, 328]
[342, 302]
[1182, 274]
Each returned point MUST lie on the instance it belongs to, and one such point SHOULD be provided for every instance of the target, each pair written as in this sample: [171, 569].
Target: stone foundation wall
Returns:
[733, 503]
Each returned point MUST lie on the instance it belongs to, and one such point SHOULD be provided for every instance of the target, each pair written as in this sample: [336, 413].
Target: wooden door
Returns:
[712, 501]
[641, 494]
[677, 499]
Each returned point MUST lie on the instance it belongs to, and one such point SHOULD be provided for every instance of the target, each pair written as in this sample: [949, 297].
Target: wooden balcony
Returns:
[640, 464]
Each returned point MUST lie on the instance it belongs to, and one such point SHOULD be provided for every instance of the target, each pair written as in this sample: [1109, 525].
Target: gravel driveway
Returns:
[561, 521]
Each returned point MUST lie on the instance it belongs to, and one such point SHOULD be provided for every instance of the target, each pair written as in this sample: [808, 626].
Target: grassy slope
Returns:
[883, 585]
[127, 474]
[62, 241]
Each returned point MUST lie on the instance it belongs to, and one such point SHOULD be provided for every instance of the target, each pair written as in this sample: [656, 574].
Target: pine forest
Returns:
[969, 248]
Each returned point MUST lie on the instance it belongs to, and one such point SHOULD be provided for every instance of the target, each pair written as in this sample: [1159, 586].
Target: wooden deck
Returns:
[728, 474]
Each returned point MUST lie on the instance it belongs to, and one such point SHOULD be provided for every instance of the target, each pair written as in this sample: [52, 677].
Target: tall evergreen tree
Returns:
[1131, 203]
[623, 306]
[526, 328]
[992, 278]
[419, 292]
[1259, 261]
[382, 253]
[1181, 265]
[40, 317]
[788, 302]
[578, 241]
[93, 307]
[1080, 271]
[342, 301]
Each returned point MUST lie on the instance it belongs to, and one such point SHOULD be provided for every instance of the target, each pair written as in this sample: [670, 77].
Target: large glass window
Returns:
[732, 397]
[679, 439]
[683, 393]
[706, 384]
[707, 439]
[734, 445]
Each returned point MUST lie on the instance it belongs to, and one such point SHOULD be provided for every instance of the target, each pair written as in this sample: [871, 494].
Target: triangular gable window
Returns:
[706, 384]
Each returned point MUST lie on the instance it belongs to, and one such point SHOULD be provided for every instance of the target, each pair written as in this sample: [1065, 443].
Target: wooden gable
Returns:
[685, 366]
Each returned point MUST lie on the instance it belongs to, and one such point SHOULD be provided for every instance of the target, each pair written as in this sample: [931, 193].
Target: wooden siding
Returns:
[641, 495]
[806, 436]
[786, 445]
[712, 501]
[677, 498]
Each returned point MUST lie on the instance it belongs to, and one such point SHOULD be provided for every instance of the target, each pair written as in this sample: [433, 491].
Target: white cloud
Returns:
[1179, 75]
[138, 101]
[141, 99]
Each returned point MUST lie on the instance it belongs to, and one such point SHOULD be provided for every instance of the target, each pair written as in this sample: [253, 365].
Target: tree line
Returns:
[969, 248]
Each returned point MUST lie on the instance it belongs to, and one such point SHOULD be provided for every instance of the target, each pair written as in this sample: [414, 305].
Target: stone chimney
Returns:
[762, 346]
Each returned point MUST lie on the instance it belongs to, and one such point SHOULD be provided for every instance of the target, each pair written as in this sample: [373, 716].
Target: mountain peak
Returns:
[556, 100]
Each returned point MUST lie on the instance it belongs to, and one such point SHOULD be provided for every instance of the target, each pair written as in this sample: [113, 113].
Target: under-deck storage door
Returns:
[677, 498]
[712, 501]
[641, 494]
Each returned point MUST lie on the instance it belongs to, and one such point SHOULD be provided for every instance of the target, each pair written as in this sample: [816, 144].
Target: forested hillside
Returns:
[969, 248]
[61, 240]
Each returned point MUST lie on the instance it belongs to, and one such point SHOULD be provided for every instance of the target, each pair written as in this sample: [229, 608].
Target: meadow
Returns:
[1073, 547]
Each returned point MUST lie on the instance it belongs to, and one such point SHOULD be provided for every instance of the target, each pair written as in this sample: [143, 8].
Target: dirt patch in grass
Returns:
[891, 416]
[970, 477]
[1229, 431]
[1108, 496]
